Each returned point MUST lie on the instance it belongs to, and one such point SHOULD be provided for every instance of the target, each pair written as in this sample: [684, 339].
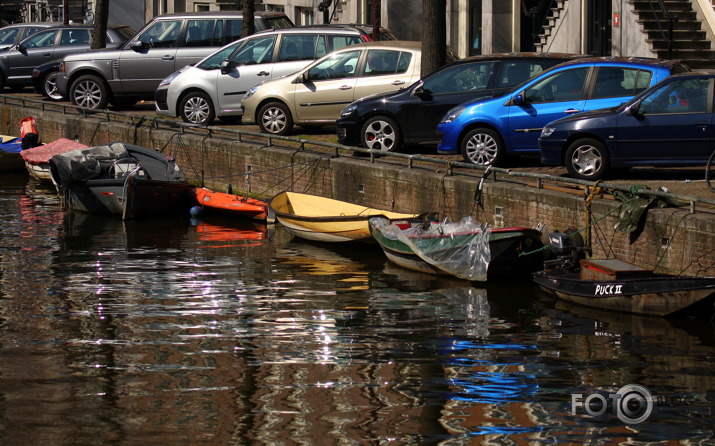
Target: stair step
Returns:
[680, 44]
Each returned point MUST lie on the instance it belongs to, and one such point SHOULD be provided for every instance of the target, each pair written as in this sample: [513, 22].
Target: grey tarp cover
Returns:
[85, 164]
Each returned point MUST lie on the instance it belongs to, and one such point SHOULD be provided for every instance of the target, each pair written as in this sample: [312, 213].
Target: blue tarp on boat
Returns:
[13, 145]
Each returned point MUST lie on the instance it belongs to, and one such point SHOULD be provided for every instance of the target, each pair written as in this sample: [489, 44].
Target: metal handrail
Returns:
[672, 18]
[373, 154]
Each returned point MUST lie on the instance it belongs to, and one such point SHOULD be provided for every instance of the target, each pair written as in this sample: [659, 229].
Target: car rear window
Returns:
[278, 22]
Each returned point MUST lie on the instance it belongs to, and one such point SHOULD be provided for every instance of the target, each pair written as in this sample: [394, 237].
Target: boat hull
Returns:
[655, 295]
[325, 220]
[229, 203]
[129, 198]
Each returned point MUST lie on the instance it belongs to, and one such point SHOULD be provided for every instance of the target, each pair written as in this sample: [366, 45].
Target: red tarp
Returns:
[42, 154]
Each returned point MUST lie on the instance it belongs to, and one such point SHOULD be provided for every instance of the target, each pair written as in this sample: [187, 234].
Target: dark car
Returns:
[410, 116]
[44, 80]
[12, 34]
[18, 61]
[670, 124]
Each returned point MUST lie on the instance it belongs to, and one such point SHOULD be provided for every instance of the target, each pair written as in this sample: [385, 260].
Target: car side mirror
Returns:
[137, 45]
[519, 99]
[422, 93]
[226, 66]
[302, 78]
[634, 110]
[21, 48]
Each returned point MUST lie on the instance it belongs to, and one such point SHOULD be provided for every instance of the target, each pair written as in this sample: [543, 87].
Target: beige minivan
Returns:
[315, 95]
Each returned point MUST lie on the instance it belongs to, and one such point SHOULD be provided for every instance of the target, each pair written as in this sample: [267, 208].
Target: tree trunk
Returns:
[249, 13]
[434, 35]
[101, 16]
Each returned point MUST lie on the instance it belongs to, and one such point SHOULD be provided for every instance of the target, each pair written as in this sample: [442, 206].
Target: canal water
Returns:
[214, 331]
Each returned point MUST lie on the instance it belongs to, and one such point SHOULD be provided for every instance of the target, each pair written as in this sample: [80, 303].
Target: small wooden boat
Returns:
[229, 203]
[37, 159]
[10, 149]
[463, 249]
[315, 218]
[616, 285]
[119, 179]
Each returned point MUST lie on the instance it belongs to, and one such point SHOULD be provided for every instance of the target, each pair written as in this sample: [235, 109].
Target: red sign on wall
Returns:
[616, 20]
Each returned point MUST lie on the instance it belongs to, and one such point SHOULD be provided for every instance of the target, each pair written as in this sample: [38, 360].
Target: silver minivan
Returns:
[131, 73]
[215, 86]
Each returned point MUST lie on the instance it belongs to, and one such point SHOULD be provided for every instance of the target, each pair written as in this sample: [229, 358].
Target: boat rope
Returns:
[439, 197]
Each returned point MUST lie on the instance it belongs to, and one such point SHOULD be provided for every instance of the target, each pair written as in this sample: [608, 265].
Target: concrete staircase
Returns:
[551, 20]
[690, 42]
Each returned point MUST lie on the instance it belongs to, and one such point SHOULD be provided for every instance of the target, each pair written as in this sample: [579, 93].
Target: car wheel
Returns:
[89, 91]
[49, 86]
[381, 133]
[196, 108]
[587, 159]
[483, 147]
[275, 118]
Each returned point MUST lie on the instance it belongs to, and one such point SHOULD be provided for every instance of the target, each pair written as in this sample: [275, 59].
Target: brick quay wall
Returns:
[672, 240]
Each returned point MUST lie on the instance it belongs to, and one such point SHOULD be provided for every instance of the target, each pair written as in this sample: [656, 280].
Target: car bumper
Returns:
[448, 144]
[160, 101]
[348, 132]
[62, 87]
[551, 151]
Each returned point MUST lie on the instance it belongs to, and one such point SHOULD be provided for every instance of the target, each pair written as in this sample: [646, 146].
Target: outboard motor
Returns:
[567, 247]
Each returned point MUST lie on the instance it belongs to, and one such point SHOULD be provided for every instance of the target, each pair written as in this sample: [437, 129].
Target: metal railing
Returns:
[337, 149]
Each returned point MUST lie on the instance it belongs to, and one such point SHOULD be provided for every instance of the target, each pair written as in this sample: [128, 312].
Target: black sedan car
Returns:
[388, 121]
[670, 124]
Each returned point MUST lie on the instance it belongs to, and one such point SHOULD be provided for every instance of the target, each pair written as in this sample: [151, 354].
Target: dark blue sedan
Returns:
[670, 124]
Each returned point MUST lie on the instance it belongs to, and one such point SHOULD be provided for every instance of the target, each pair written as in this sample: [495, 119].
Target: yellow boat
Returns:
[320, 219]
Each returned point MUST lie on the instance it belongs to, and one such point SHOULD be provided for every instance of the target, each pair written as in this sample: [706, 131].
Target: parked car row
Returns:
[590, 114]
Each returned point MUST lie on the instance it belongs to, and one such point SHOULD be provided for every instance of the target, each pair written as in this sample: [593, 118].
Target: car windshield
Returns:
[279, 22]
[125, 32]
[213, 62]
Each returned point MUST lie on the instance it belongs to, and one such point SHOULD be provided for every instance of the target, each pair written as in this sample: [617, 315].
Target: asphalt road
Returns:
[684, 181]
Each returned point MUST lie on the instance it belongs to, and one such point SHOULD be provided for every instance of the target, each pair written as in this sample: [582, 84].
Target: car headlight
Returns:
[167, 80]
[547, 131]
[349, 110]
[251, 91]
[453, 114]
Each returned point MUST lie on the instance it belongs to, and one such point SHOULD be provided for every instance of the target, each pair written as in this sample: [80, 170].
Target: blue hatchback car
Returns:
[487, 131]
[670, 124]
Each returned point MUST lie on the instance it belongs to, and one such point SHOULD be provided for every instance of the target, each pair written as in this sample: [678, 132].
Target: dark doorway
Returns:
[475, 27]
[534, 15]
[599, 28]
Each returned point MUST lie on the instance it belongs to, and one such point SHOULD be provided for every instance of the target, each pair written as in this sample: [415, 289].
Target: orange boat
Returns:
[229, 203]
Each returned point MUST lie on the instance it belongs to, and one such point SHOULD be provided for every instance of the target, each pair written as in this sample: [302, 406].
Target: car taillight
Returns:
[366, 38]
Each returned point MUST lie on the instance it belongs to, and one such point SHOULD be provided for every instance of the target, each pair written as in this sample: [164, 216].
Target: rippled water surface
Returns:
[214, 331]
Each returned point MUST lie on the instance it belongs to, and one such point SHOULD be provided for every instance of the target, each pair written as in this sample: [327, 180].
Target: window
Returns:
[8, 35]
[298, 47]
[41, 40]
[259, 50]
[162, 34]
[517, 71]
[380, 62]
[214, 61]
[338, 66]
[460, 78]
[337, 42]
[199, 33]
[74, 37]
[201, 7]
[233, 29]
[681, 96]
[305, 16]
[565, 85]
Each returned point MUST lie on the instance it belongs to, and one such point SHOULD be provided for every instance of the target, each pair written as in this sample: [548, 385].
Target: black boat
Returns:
[120, 179]
[613, 284]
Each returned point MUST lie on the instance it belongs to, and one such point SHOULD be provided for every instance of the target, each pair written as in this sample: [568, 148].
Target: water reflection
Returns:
[217, 332]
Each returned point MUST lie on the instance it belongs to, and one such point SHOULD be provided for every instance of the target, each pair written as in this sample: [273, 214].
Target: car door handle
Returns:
[572, 110]
[398, 82]
[167, 57]
[345, 87]
[264, 73]
[47, 54]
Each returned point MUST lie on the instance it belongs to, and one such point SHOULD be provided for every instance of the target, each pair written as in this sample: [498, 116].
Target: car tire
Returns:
[587, 159]
[49, 86]
[381, 133]
[483, 147]
[89, 91]
[275, 118]
[197, 108]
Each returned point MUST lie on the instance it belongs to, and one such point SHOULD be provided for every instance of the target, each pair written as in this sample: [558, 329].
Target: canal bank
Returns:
[669, 239]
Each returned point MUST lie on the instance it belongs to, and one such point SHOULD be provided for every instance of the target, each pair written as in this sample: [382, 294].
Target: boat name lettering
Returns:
[608, 289]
